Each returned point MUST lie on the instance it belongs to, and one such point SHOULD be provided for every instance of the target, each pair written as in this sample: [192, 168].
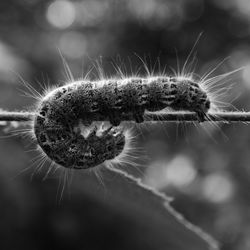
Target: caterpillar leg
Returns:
[201, 116]
[138, 113]
[115, 119]
[138, 117]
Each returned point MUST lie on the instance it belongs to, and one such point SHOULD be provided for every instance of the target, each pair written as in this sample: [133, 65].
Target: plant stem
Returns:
[16, 116]
[167, 117]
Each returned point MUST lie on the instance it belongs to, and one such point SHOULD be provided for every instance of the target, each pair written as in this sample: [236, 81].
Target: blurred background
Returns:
[205, 168]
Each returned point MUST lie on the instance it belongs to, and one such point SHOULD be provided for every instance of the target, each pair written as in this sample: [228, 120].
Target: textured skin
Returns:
[60, 111]
[65, 145]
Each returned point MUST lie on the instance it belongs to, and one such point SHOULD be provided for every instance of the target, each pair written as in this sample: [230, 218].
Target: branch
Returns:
[167, 117]
[16, 116]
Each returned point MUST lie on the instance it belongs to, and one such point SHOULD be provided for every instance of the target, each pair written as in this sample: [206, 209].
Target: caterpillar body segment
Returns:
[71, 149]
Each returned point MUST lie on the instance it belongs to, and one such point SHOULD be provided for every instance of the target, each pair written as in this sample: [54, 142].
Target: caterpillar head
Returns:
[185, 94]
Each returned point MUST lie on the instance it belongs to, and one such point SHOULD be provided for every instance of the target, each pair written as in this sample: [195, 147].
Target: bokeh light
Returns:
[180, 171]
[155, 13]
[246, 75]
[143, 8]
[243, 6]
[91, 12]
[156, 174]
[73, 45]
[61, 14]
[9, 61]
[218, 187]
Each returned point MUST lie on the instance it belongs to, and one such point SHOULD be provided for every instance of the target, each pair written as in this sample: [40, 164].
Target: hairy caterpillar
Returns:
[56, 125]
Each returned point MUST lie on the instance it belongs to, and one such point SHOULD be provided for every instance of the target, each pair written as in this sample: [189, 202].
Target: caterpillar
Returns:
[62, 110]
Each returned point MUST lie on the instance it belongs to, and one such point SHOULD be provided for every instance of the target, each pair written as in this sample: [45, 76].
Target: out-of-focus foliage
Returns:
[206, 168]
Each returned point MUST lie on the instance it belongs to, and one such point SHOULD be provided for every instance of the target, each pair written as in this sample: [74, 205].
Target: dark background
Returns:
[205, 168]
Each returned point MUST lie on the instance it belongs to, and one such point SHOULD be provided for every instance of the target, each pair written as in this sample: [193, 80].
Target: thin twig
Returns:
[167, 117]
[16, 116]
